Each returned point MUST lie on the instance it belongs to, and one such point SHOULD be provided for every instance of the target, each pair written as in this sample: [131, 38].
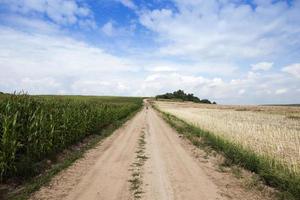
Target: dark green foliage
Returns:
[205, 101]
[179, 94]
[32, 128]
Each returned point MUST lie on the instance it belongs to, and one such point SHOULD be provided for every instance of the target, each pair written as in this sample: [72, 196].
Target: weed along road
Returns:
[144, 159]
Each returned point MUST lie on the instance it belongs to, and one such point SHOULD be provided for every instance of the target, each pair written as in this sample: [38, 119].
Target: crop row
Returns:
[33, 128]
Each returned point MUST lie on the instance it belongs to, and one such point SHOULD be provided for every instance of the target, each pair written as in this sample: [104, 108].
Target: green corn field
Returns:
[33, 128]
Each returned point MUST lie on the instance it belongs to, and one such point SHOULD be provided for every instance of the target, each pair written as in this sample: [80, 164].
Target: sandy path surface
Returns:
[170, 172]
[103, 172]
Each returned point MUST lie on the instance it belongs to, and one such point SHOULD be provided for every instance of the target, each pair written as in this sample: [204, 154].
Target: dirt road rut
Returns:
[170, 171]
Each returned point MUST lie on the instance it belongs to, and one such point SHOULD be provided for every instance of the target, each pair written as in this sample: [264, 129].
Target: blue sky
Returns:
[230, 51]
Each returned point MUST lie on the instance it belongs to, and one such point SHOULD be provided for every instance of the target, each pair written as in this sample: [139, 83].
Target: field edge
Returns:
[36, 183]
[286, 183]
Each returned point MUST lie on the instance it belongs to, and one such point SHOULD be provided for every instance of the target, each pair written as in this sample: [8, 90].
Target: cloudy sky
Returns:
[230, 51]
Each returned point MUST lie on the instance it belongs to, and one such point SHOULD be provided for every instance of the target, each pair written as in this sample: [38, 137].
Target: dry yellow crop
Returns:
[272, 131]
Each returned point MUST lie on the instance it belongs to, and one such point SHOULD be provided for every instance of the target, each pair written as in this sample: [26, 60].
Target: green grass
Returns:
[33, 128]
[136, 180]
[271, 172]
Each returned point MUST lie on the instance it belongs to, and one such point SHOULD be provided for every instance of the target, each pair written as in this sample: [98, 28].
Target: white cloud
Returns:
[128, 3]
[112, 29]
[207, 68]
[55, 52]
[224, 29]
[27, 60]
[100, 87]
[293, 69]
[59, 11]
[39, 85]
[247, 89]
[265, 66]
[56, 64]
[162, 69]
[281, 91]
[202, 48]
[29, 24]
[108, 29]
[241, 91]
[213, 36]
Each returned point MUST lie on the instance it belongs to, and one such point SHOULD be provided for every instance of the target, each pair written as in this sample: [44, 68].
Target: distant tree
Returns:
[190, 97]
[180, 94]
[205, 101]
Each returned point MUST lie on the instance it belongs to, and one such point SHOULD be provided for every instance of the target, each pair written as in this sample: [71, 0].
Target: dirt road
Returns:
[170, 171]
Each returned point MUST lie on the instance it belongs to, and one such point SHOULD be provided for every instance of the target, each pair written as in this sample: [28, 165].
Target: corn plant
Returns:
[33, 128]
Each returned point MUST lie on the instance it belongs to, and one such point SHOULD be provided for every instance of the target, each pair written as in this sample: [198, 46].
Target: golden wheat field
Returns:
[268, 130]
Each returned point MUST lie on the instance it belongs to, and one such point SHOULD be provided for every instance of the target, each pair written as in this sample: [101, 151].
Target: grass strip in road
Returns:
[36, 183]
[271, 172]
[137, 167]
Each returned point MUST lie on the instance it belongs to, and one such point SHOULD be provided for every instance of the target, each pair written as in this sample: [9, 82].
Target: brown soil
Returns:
[174, 169]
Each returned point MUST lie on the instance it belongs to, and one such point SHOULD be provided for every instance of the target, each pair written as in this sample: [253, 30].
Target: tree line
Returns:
[180, 94]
